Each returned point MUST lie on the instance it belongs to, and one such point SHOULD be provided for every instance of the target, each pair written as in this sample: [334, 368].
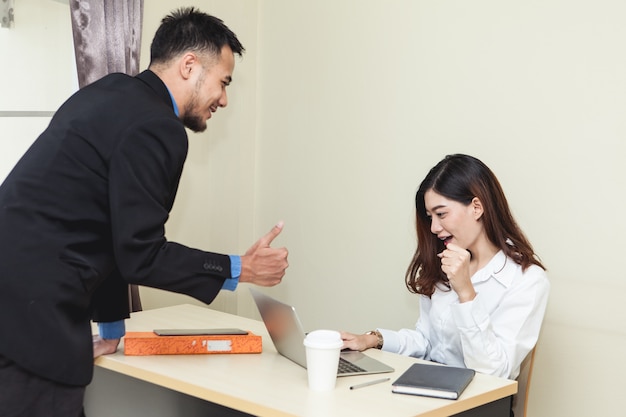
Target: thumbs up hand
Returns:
[263, 265]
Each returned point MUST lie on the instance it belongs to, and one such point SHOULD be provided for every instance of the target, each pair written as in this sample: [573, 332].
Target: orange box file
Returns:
[149, 343]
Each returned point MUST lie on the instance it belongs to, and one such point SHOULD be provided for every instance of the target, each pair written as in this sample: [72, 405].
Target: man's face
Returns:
[209, 90]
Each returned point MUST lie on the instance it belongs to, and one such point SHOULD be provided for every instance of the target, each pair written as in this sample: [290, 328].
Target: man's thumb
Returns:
[271, 235]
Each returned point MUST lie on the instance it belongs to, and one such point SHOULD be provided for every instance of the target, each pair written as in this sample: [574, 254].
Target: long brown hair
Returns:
[461, 178]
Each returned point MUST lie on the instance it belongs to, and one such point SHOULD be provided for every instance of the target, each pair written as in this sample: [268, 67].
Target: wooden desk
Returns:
[268, 384]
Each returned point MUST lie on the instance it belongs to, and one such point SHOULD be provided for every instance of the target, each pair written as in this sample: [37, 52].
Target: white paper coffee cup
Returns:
[322, 358]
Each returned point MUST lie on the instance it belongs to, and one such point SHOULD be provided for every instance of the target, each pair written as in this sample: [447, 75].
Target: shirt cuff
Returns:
[235, 271]
[112, 329]
[391, 341]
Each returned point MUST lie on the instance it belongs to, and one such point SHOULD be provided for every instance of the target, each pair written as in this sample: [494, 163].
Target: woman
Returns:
[483, 293]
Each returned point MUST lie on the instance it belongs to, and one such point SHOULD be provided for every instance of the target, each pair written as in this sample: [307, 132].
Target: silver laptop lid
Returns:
[287, 333]
[283, 325]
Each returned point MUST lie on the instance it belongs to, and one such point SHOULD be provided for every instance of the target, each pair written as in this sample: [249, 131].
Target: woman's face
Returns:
[454, 222]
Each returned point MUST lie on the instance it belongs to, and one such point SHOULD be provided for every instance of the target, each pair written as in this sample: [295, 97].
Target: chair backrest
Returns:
[520, 400]
[134, 298]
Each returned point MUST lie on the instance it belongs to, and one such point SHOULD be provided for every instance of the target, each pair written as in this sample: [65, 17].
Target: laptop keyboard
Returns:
[346, 367]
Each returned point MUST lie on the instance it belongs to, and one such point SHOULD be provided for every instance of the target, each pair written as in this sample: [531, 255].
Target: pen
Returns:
[367, 384]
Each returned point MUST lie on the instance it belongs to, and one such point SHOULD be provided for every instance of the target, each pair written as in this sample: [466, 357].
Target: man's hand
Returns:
[104, 346]
[263, 265]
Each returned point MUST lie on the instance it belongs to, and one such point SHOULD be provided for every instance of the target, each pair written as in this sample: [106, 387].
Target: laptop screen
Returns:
[283, 325]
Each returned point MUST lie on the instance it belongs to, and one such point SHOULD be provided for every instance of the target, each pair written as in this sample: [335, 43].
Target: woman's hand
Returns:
[358, 342]
[455, 263]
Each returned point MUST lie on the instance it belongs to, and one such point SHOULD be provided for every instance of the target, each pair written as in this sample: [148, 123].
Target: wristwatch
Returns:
[379, 336]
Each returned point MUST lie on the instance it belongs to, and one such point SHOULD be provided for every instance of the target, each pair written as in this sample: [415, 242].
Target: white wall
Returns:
[37, 73]
[338, 110]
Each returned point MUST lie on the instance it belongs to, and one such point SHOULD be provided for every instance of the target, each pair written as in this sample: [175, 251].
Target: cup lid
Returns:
[323, 339]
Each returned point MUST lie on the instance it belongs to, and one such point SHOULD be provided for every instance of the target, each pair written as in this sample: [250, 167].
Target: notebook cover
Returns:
[438, 381]
[149, 343]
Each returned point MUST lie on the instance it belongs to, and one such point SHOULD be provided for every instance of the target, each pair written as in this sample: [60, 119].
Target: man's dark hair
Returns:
[188, 29]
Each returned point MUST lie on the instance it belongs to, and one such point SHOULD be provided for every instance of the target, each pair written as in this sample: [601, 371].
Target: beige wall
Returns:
[215, 203]
[36, 64]
[361, 98]
[337, 111]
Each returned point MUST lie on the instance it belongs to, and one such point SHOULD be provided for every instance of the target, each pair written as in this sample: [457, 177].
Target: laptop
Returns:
[287, 333]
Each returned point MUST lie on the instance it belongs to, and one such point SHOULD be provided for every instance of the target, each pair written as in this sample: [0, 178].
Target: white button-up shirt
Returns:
[491, 334]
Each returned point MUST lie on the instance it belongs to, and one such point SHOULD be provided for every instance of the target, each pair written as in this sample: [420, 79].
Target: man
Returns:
[82, 215]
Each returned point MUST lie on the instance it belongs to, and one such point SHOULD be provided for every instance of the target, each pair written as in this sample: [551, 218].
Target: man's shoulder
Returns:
[117, 80]
[145, 87]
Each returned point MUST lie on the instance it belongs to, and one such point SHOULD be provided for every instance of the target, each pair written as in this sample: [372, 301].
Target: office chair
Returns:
[520, 400]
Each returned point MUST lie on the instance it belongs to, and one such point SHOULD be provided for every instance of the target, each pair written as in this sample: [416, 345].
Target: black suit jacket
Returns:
[82, 215]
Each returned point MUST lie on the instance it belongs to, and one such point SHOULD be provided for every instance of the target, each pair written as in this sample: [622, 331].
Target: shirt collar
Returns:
[497, 269]
[173, 102]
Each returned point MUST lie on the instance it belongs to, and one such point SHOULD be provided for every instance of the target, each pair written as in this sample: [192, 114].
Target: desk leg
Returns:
[498, 408]
[111, 394]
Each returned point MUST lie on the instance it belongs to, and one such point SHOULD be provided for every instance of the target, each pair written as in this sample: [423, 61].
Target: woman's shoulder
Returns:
[516, 271]
[536, 270]
[534, 276]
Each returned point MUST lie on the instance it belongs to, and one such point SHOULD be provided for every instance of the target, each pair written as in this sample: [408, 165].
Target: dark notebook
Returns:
[433, 381]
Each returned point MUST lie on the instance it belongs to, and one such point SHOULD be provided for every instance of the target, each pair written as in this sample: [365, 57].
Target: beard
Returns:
[194, 122]
[191, 119]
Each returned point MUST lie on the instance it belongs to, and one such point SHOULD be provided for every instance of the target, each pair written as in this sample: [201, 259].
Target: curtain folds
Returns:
[107, 38]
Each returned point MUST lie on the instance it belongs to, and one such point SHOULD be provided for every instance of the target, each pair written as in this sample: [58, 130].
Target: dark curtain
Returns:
[107, 38]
